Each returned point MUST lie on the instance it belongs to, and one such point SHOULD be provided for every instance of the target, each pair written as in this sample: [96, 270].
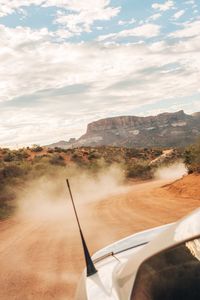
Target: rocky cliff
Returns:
[163, 130]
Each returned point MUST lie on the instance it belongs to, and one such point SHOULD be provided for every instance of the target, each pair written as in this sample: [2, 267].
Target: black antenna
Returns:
[89, 263]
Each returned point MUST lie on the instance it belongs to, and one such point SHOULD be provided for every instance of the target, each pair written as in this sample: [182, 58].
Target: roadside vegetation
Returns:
[18, 167]
[192, 157]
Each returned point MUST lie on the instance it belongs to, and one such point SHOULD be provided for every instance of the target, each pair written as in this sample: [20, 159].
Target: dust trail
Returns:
[172, 172]
[48, 197]
[42, 252]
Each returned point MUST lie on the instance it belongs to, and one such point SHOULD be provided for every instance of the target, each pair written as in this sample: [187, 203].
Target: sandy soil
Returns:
[42, 259]
[188, 187]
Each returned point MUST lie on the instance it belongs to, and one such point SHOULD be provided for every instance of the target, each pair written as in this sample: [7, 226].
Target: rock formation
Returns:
[164, 130]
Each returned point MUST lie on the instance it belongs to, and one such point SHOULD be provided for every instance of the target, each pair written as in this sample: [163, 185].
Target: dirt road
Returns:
[42, 258]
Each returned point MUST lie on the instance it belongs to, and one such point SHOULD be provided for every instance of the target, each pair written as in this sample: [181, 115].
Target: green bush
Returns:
[58, 150]
[192, 157]
[9, 156]
[37, 149]
[93, 155]
[6, 210]
[50, 150]
[139, 169]
[12, 171]
[7, 204]
[57, 160]
[21, 155]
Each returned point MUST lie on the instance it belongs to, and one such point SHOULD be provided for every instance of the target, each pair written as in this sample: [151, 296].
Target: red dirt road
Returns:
[42, 259]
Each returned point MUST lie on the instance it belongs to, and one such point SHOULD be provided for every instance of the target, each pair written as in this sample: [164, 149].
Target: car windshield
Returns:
[173, 274]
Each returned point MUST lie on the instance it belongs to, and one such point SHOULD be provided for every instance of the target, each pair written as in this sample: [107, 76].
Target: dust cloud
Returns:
[172, 172]
[44, 237]
[48, 197]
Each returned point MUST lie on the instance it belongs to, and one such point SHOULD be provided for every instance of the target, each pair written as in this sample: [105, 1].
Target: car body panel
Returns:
[102, 281]
[180, 231]
[116, 273]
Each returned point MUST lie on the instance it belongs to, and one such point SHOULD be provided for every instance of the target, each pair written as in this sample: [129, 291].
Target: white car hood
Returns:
[116, 273]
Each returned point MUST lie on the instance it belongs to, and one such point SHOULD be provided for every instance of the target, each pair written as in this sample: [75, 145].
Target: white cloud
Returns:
[22, 50]
[146, 31]
[8, 7]
[45, 125]
[62, 34]
[155, 16]
[179, 14]
[158, 46]
[163, 7]
[40, 64]
[190, 29]
[4, 10]
[191, 45]
[121, 22]
[81, 17]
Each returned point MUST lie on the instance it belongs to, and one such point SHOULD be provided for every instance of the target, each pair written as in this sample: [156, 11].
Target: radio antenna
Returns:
[90, 268]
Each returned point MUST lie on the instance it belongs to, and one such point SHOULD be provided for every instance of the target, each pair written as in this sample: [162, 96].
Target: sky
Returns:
[66, 63]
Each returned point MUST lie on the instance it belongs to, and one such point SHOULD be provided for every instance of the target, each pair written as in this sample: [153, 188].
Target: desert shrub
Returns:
[93, 155]
[1, 177]
[21, 155]
[37, 149]
[192, 157]
[85, 152]
[38, 158]
[133, 152]
[139, 169]
[58, 149]
[66, 151]
[5, 197]
[76, 156]
[50, 150]
[5, 150]
[157, 152]
[12, 171]
[9, 156]
[6, 210]
[57, 160]
[38, 169]
[7, 204]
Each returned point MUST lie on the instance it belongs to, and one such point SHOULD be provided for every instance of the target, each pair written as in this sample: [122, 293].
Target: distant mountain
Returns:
[63, 144]
[196, 114]
[164, 130]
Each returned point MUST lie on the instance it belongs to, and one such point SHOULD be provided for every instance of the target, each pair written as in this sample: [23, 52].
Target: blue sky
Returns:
[65, 63]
